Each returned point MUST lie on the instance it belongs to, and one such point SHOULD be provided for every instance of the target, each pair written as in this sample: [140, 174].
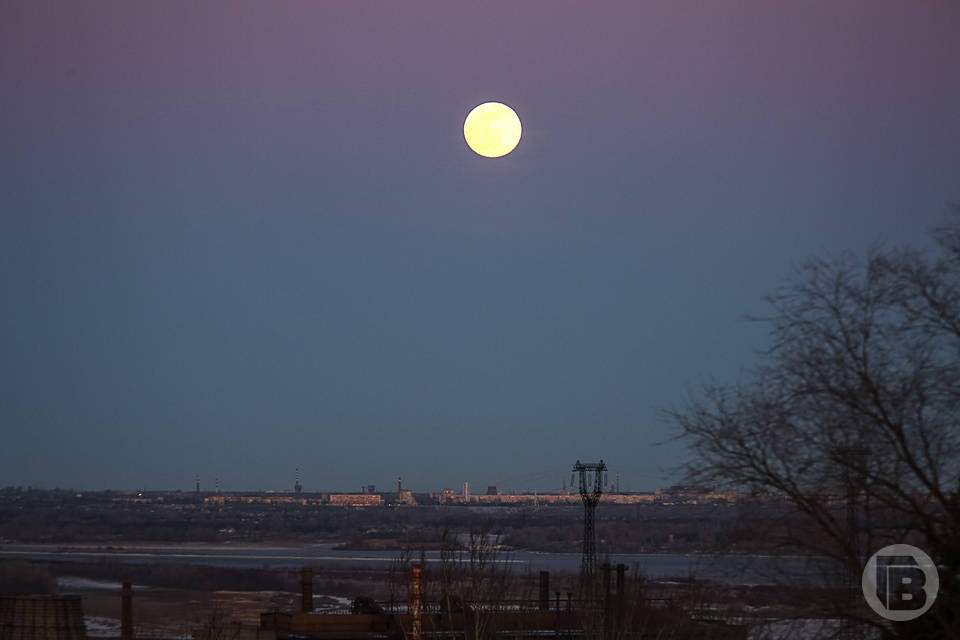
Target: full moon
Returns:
[492, 129]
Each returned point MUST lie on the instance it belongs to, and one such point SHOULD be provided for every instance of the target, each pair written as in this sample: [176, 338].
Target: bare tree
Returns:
[602, 612]
[476, 584]
[398, 573]
[853, 415]
[217, 624]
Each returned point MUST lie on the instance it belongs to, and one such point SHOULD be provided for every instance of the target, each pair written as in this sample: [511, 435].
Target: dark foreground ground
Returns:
[174, 600]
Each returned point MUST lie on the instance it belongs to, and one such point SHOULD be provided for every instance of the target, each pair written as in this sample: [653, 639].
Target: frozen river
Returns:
[730, 569]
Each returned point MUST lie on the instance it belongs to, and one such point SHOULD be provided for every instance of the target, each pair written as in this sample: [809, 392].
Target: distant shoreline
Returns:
[730, 569]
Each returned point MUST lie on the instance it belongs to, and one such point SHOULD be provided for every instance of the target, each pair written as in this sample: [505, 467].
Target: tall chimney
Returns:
[198, 483]
[416, 603]
[620, 579]
[607, 604]
[545, 590]
[306, 589]
[126, 611]
[605, 568]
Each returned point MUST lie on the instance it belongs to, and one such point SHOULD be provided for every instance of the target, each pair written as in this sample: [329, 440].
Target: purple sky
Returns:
[237, 238]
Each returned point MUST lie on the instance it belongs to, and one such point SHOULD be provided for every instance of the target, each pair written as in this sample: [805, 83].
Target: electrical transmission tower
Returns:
[591, 477]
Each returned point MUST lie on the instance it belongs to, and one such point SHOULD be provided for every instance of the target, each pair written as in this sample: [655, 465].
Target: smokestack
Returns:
[416, 603]
[621, 601]
[399, 485]
[306, 589]
[605, 567]
[607, 603]
[198, 483]
[126, 611]
[218, 486]
[545, 590]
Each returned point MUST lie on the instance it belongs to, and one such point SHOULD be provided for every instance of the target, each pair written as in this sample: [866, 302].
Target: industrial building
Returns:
[354, 499]
[611, 614]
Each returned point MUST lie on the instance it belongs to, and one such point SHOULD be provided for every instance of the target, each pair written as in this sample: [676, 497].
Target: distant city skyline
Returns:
[239, 239]
[212, 483]
[487, 494]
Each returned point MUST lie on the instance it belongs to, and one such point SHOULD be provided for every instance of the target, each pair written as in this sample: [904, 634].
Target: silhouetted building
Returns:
[355, 500]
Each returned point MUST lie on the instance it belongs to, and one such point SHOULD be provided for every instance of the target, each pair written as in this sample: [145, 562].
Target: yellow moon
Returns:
[492, 129]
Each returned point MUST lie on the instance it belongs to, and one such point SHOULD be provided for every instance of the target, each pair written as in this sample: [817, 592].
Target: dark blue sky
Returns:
[240, 238]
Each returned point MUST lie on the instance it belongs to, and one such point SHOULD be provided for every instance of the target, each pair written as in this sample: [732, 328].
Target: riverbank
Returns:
[733, 569]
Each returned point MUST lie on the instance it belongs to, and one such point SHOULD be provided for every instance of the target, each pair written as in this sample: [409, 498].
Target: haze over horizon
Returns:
[240, 238]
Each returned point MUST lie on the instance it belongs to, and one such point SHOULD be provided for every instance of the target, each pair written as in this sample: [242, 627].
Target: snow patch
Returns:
[72, 583]
[101, 627]
[329, 603]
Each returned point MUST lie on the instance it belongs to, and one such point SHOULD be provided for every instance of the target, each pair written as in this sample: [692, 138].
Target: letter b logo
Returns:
[900, 582]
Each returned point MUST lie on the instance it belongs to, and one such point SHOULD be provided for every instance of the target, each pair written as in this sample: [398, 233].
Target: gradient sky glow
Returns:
[237, 238]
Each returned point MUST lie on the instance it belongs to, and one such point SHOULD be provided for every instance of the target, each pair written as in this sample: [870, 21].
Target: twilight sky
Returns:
[237, 238]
